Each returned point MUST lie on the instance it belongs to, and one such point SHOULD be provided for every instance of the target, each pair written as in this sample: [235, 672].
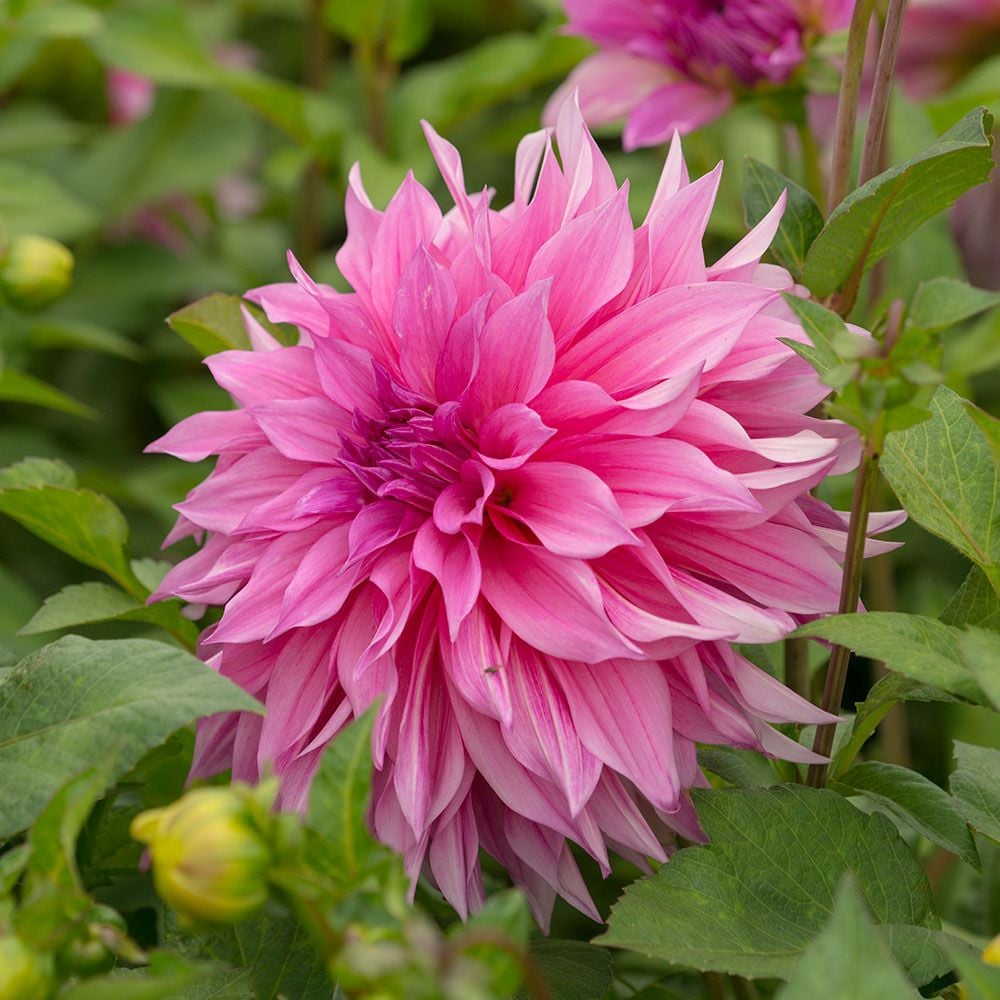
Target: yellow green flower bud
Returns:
[210, 859]
[35, 271]
[991, 953]
[24, 974]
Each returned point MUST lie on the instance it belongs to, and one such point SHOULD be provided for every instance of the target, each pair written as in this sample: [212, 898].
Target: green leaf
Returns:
[980, 652]
[981, 980]
[212, 324]
[822, 327]
[751, 901]
[920, 647]
[37, 472]
[943, 302]
[86, 603]
[801, 222]
[975, 603]
[20, 387]
[870, 221]
[33, 202]
[915, 801]
[168, 978]
[12, 865]
[886, 692]
[743, 768]
[925, 954]
[124, 696]
[338, 801]
[572, 970]
[65, 332]
[944, 475]
[83, 524]
[847, 959]
[399, 27]
[975, 783]
[278, 952]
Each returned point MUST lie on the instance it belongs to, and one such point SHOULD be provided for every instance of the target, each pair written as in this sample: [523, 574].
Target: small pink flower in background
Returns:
[943, 39]
[130, 96]
[675, 65]
[525, 484]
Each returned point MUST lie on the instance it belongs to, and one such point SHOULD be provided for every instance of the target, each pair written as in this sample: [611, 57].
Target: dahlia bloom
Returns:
[525, 484]
[675, 65]
[943, 39]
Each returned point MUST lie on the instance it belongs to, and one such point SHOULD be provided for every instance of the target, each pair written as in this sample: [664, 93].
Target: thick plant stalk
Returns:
[847, 104]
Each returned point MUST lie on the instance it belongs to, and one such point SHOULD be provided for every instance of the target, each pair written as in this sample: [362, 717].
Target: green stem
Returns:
[797, 666]
[847, 104]
[850, 592]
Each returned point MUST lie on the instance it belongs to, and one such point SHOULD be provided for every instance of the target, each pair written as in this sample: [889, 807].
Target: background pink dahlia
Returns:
[675, 65]
[525, 484]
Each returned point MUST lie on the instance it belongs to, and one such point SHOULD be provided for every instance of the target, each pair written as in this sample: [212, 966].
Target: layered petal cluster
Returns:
[675, 65]
[525, 484]
[944, 39]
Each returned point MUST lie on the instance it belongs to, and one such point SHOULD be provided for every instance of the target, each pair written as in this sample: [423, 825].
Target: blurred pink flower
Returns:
[675, 65]
[525, 484]
[943, 39]
[130, 96]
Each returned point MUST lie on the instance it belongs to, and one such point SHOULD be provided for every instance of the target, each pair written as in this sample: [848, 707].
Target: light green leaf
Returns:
[572, 970]
[870, 221]
[943, 302]
[212, 324]
[915, 801]
[86, 603]
[20, 387]
[33, 202]
[343, 848]
[981, 980]
[920, 647]
[975, 783]
[752, 900]
[37, 472]
[980, 652]
[822, 327]
[975, 603]
[801, 222]
[943, 473]
[83, 524]
[124, 696]
[847, 959]
[925, 954]
[64, 332]
[168, 978]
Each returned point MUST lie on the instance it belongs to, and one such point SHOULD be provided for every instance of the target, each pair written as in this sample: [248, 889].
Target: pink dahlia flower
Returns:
[675, 65]
[943, 39]
[526, 484]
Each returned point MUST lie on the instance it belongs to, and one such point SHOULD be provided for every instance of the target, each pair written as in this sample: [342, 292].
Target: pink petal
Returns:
[677, 107]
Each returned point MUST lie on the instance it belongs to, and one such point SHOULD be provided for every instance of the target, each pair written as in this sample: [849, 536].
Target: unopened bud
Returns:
[991, 953]
[210, 859]
[24, 974]
[35, 271]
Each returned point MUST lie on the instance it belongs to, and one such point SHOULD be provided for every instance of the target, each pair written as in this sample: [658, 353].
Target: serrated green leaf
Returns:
[920, 647]
[338, 801]
[974, 603]
[802, 219]
[975, 784]
[212, 324]
[943, 302]
[915, 801]
[83, 524]
[572, 970]
[124, 696]
[86, 603]
[752, 900]
[21, 387]
[943, 473]
[847, 959]
[870, 221]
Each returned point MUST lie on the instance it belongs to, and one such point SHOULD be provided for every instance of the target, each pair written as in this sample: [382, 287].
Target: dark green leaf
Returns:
[975, 783]
[975, 603]
[870, 221]
[168, 978]
[572, 970]
[743, 768]
[124, 696]
[847, 959]
[943, 473]
[920, 647]
[751, 901]
[915, 801]
[20, 387]
[801, 222]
